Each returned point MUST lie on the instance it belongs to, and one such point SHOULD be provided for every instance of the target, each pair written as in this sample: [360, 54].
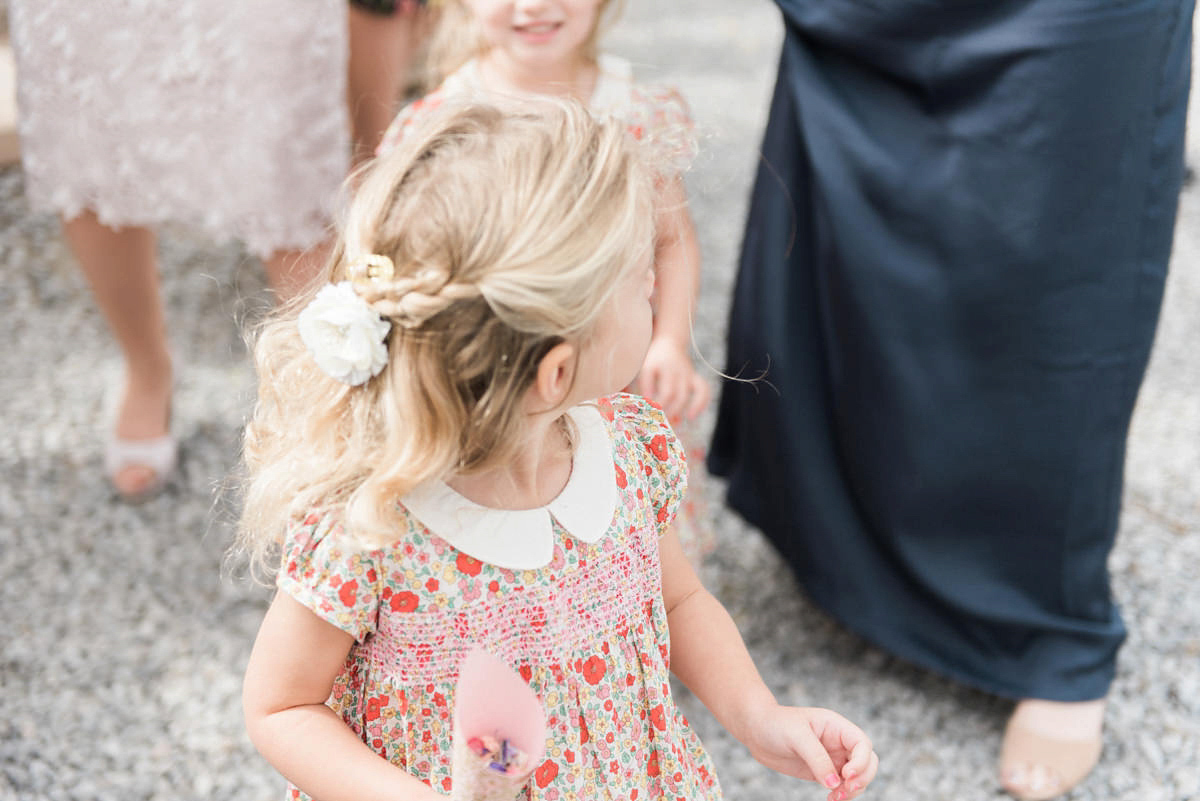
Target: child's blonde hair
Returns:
[508, 232]
[456, 38]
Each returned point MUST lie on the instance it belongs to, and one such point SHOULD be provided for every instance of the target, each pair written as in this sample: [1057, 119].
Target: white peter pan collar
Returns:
[523, 539]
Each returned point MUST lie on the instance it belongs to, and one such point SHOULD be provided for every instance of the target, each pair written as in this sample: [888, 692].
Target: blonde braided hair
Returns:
[504, 235]
[410, 301]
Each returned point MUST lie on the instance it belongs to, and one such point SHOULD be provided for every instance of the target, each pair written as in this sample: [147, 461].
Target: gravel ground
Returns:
[122, 640]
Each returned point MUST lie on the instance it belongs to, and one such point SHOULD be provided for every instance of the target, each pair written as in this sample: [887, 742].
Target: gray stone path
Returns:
[122, 641]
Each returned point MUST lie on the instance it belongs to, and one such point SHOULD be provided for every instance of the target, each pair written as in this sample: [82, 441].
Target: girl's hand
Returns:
[815, 744]
[668, 379]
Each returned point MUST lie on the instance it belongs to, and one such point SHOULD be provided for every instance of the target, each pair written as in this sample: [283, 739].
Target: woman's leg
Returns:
[290, 272]
[382, 47]
[122, 268]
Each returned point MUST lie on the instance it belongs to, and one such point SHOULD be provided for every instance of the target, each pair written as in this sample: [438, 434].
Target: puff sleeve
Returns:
[407, 118]
[655, 456]
[332, 575]
[659, 118]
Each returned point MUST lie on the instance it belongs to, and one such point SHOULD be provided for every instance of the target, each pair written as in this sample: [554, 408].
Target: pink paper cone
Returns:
[492, 700]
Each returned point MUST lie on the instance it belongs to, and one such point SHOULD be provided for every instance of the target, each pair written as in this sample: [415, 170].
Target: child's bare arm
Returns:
[668, 376]
[295, 660]
[709, 656]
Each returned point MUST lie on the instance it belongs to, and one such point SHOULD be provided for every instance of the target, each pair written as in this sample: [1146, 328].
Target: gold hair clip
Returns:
[372, 267]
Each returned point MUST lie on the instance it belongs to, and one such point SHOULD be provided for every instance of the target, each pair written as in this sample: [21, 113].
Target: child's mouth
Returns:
[538, 31]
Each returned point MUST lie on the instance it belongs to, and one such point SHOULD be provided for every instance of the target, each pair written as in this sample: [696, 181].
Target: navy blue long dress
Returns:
[951, 274]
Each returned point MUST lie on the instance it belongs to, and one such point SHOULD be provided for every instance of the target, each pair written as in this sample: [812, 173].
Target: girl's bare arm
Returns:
[669, 377]
[709, 656]
[295, 660]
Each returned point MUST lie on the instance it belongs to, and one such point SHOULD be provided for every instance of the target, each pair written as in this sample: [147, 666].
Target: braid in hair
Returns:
[410, 301]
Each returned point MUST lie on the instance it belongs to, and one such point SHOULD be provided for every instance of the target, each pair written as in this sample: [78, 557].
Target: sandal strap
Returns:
[158, 454]
[1069, 761]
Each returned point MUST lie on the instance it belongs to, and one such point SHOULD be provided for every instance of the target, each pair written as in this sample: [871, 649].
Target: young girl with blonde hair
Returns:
[434, 435]
[504, 51]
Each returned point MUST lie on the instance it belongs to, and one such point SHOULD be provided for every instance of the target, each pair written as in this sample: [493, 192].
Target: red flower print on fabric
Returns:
[658, 446]
[594, 669]
[537, 618]
[348, 593]
[545, 773]
[606, 409]
[658, 718]
[404, 602]
[652, 768]
[468, 564]
[622, 480]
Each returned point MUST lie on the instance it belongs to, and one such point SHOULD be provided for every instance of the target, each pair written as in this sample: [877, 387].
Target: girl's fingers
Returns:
[814, 755]
[861, 752]
[872, 769]
[859, 781]
[667, 397]
[700, 397]
[648, 382]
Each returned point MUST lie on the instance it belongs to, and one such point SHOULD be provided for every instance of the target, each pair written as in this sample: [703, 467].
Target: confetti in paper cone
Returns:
[499, 731]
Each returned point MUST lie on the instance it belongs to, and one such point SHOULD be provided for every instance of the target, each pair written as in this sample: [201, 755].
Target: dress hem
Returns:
[901, 650]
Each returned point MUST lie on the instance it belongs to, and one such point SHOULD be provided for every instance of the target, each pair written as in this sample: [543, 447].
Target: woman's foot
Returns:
[141, 454]
[1050, 746]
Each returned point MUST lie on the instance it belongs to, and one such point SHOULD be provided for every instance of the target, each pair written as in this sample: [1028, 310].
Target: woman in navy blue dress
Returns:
[951, 273]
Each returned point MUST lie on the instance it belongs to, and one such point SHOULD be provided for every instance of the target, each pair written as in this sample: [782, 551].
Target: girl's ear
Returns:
[555, 377]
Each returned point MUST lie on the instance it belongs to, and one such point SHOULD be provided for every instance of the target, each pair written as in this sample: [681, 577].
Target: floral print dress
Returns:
[655, 114]
[569, 595]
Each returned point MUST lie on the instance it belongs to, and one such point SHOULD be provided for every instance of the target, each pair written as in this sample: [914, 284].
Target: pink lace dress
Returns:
[223, 113]
[569, 595]
[658, 117]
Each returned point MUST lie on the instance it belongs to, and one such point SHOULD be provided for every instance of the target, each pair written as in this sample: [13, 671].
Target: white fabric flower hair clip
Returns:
[346, 337]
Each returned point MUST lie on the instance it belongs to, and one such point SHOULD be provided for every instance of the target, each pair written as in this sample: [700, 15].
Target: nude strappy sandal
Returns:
[159, 455]
[1034, 767]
